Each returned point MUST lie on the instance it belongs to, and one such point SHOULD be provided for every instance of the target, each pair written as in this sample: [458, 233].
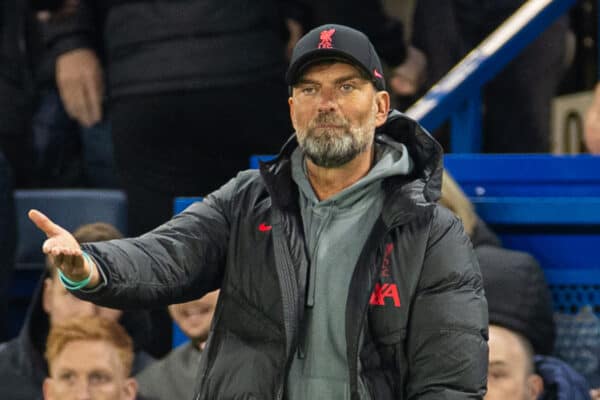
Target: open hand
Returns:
[63, 250]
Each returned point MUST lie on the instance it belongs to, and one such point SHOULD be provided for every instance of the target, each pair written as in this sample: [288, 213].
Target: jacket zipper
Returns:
[353, 361]
[289, 294]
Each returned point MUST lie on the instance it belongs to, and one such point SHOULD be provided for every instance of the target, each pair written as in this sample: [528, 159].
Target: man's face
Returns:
[88, 370]
[194, 317]
[61, 305]
[335, 112]
[509, 370]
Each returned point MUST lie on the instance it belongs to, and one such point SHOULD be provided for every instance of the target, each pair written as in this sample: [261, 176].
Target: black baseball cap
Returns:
[336, 42]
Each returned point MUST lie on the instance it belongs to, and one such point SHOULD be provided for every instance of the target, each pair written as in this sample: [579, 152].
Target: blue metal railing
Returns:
[458, 95]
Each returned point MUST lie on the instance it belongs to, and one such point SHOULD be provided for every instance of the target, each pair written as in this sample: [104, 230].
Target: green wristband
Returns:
[76, 285]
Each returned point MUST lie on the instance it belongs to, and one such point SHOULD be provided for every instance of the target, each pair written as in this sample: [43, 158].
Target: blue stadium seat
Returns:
[546, 205]
[69, 208]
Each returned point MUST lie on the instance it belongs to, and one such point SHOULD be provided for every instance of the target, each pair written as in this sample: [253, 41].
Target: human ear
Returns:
[382, 102]
[46, 389]
[130, 388]
[291, 104]
[535, 386]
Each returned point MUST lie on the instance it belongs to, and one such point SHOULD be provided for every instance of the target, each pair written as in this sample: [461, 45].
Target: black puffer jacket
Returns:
[166, 45]
[247, 238]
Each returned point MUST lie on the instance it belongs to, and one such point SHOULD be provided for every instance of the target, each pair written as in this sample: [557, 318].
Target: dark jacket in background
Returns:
[561, 382]
[157, 46]
[22, 363]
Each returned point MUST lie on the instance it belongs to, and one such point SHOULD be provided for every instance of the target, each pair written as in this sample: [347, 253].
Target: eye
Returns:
[99, 378]
[346, 87]
[308, 90]
[497, 374]
[67, 377]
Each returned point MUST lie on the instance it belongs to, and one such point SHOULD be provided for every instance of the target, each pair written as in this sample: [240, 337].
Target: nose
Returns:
[327, 100]
[82, 390]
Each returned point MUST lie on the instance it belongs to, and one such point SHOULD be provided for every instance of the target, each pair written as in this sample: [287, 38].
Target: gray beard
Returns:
[331, 149]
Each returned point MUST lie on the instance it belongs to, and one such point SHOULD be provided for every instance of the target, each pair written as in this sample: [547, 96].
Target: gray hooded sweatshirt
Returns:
[335, 230]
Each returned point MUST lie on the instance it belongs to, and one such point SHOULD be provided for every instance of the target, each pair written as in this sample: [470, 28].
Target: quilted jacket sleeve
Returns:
[179, 261]
[447, 344]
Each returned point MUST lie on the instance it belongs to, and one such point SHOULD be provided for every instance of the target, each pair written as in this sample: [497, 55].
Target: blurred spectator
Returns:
[174, 377]
[592, 124]
[521, 325]
[67, 152]
[516, 102]
[407, 63]
[21, 359]
[8, 239]
[193, 86]
[89, 358]
[511, 373]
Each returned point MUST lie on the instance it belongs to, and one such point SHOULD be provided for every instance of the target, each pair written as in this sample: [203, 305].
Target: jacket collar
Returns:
[422, 186]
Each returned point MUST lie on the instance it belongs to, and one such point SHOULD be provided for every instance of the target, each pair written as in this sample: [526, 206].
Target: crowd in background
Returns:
[170, 98]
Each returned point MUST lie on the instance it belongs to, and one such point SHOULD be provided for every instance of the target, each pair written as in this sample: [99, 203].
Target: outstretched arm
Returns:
[176, 262]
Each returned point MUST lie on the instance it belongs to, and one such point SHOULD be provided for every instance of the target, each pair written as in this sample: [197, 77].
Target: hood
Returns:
[32, 338]
[422, 185]
[561, 382]
[425, 152]
[389, 161]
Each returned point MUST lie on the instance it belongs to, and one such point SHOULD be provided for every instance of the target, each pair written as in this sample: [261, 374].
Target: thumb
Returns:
[44, 223]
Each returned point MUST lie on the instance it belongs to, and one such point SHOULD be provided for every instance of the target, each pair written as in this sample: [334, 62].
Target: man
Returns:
[511, 373]
[21, 359]
[522, 331]
[89, 358]
[340, 277]
[174, 377]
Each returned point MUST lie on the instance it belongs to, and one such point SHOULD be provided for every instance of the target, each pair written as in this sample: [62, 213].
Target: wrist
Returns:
[78, 283]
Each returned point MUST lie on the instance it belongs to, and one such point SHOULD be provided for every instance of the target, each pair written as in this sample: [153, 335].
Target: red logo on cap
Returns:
[326, 39]
[377, 74]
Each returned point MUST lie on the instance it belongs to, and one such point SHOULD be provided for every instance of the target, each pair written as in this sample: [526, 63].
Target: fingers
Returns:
[80, 83]
[52, 248]
[44, 223]
[70, 261]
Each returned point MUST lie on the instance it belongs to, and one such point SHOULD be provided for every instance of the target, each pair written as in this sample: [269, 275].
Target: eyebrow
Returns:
[62, 370]
[304, 81]
[498, 363]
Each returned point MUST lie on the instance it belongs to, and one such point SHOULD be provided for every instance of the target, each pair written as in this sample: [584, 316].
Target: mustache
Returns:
[328, 119]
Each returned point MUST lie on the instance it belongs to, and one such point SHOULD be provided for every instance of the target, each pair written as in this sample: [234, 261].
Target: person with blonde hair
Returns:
[22, 358]
[89, 357]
